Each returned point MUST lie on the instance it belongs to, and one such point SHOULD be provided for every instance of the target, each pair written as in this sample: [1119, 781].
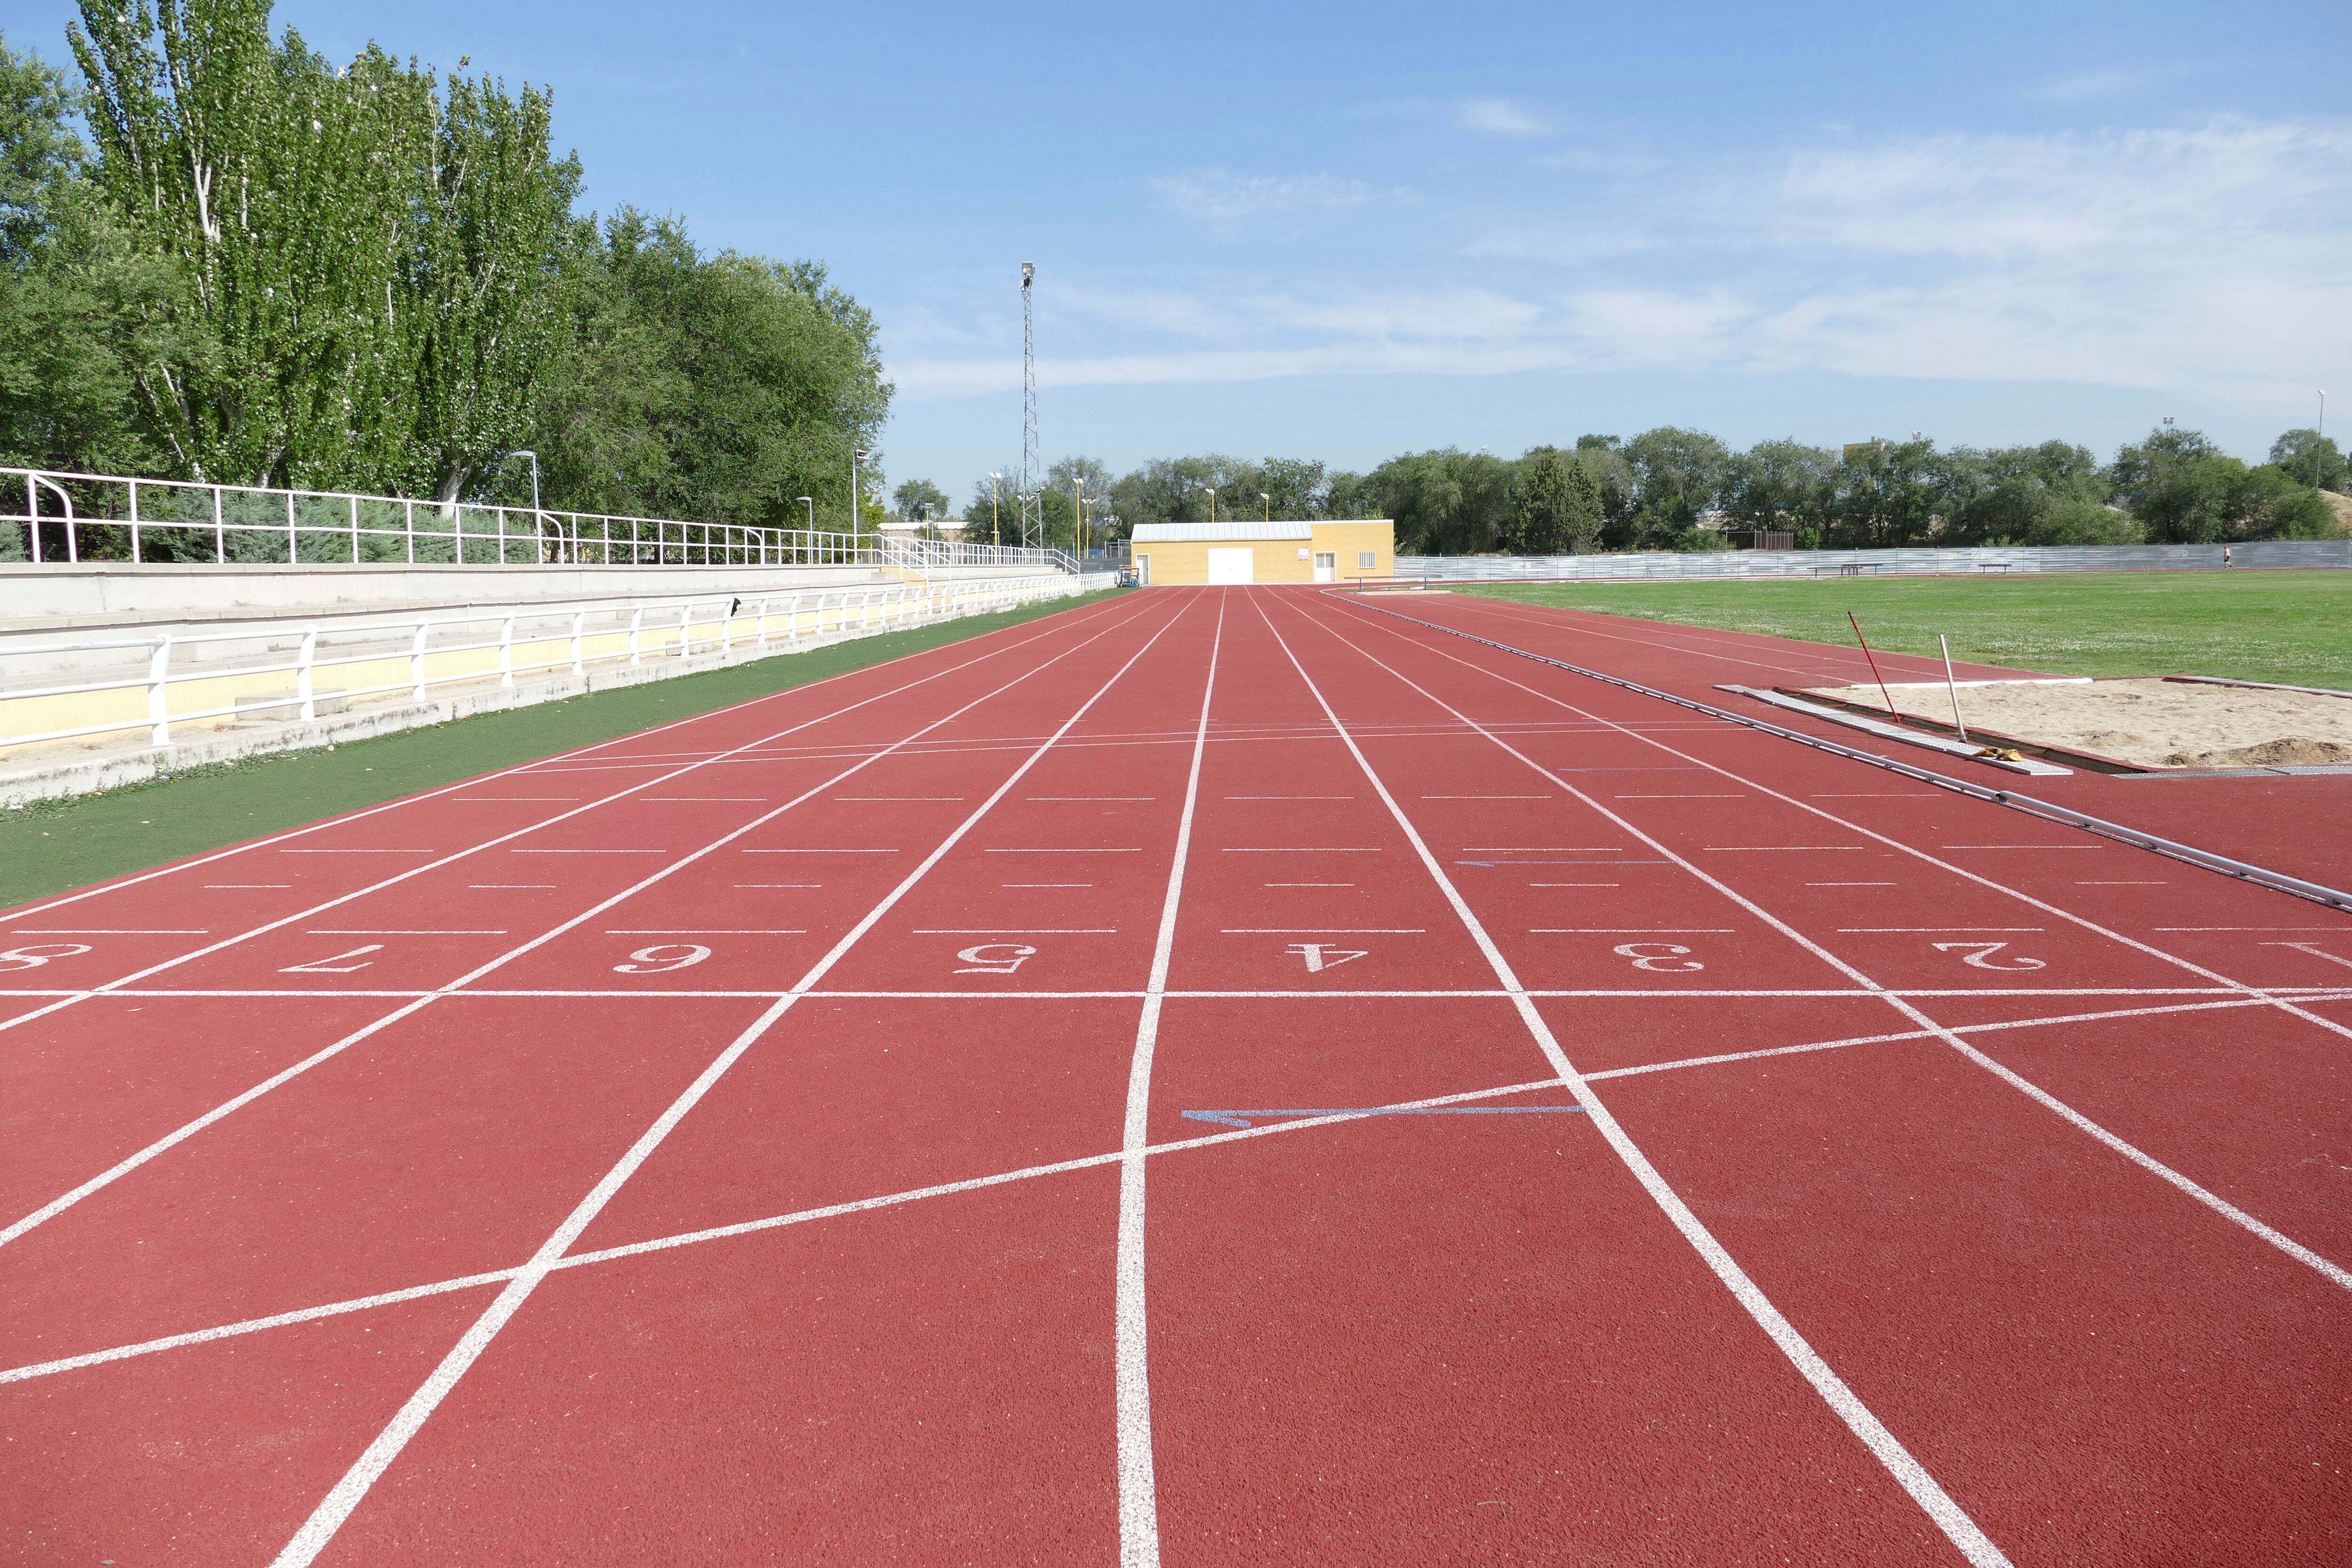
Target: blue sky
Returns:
[1347, 231]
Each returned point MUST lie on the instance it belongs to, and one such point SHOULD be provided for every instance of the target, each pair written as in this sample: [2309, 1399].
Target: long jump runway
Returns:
[1217, 1076]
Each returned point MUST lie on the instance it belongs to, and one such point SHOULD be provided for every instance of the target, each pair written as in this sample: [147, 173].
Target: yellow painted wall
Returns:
[1280, 560]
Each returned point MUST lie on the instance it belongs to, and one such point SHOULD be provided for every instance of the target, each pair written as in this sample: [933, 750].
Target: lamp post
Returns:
[857, 455]
[995, 528]
[811, 502]
[1213, 504]
[1269, 505]
[2319, 447]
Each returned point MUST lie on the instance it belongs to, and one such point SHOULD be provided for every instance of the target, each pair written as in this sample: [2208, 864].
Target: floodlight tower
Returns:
[1032, 509]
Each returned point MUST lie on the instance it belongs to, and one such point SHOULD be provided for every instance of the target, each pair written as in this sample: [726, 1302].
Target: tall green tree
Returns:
[77, 302]
[2314, 458]
[720, 388]
[919, 497]
[1559, 505]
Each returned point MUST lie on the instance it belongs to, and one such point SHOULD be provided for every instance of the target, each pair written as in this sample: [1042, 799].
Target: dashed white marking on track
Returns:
[99, 930]
[676, 931]
[1015, 930]
[1921, 930]
[2021, 846]
[820, 851]
[870, 799]
[2122, 884]
[1310, 884]
[1088, 799]
[276, 887]
[358, 852]
[702, 800]
[1290, 797]
[1681, 797]
[1850, 884]
[1743, 848]
[1323, 931]
[1633, 931]
[777, 885]
[588, 852]
[510, 887]
[1137, 850]
[1304, 849]
[528, 799]
[1490, 797]
[317, 930]
[1542, 849]
[2334, 928]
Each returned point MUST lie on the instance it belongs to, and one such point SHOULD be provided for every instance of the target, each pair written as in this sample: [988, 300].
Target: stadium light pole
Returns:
[2319, 446]
[1269, 505]
[857, 455]
[995, 528]
[1213, 504]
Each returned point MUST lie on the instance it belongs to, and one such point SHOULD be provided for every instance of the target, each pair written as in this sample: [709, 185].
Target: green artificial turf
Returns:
[2286, 626]
[55, 846]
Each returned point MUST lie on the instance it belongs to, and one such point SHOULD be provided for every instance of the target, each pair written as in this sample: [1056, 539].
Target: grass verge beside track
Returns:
[2286, 626]
[56, 846]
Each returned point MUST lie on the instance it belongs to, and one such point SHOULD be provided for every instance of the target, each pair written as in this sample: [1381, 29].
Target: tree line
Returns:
[226, 258]
[1672, 488]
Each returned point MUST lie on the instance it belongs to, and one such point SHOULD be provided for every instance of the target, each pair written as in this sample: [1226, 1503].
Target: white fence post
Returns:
[303, 693]
[293, 550]
[763, 600]
[220, 528]
[636, 626]
[579, 658]
[159, 706]
[417, 662]
[506, 642]
[355, 531]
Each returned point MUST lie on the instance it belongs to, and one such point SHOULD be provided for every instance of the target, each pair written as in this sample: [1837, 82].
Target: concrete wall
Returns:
[115, 592]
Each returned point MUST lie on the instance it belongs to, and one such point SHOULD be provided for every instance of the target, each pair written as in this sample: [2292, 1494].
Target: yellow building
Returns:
[1180, 553]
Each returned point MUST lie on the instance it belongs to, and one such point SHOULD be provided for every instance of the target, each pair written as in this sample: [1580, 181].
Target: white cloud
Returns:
[2107, 81]
[1223, 197]
[1502, 117]
[2208, 258]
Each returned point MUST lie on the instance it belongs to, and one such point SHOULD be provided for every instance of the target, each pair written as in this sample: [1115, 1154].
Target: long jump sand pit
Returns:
[2145, 722]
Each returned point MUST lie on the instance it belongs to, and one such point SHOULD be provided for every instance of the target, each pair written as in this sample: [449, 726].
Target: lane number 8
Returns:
[663, 959]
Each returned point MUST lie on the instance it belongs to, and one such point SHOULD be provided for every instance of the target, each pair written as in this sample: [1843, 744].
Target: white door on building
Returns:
[1143, 571]
[1239, 565]
[1327, 566]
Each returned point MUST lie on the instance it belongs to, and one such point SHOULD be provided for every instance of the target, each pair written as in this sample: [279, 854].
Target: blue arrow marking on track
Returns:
[1241, 1117]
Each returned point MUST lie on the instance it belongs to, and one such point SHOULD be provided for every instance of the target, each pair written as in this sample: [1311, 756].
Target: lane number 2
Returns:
[39, 953]
[1671, 956]
[1979, 955]
[663, 959]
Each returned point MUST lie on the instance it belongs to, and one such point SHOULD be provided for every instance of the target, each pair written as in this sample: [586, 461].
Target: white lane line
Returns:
[347, 1493]
[1954, 1521]
[359, 852]
[318, 931]
[1290, 797]
[1137, 850]
[1543, 848]
[1014, 930]
[1919, 930]
[1310, 884]
[820, 851]
[1323, 931]
[189, 1130]
[1743, 848]
[219, 887]
[1086, 799]
[870, 799]
[697, 932]
[1139, 1498]
[1850, 884]
[2346, 929]
[1304, 849]
[777, 885]
[510, 887]
[2040, 1096]
[1633, 931]
[97, 931]
[1490, 797]
[2023, 846]
[1044, 884]
[702, 800]
[503, 799]
[1681, 797]
[2158, 884]
[587, 851]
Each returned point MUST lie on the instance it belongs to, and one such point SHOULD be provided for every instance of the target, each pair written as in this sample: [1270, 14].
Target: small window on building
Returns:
[1364, 559]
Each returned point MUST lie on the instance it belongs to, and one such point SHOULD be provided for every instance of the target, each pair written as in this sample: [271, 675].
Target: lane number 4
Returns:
[1979, 955]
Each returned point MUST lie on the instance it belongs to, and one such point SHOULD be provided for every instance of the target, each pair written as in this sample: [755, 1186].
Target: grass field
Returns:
[58, 845]
[2290, 626]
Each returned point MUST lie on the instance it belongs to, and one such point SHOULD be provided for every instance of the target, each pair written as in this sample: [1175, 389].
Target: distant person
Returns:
[2225, 557]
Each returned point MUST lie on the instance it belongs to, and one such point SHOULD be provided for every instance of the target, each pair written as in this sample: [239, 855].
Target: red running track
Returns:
[927, 1117]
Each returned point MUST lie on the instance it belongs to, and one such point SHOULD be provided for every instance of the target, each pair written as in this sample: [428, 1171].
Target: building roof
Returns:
[1219, 532]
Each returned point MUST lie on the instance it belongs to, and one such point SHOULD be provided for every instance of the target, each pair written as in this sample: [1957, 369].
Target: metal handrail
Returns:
[266, 525]
[704, 622]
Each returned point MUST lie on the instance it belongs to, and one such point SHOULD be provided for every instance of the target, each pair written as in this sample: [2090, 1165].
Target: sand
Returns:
[2148, 723]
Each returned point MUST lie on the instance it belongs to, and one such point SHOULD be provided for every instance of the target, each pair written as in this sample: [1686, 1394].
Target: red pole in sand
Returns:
[1891, 710]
